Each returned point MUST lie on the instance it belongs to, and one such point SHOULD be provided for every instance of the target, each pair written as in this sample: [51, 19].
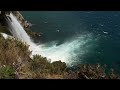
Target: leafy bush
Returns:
[40, 63]
[7, 72]
[58, 67]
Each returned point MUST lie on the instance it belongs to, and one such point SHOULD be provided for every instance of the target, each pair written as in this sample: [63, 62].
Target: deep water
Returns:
[99, 30]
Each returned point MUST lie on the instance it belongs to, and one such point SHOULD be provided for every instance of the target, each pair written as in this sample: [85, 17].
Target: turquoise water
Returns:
[100, 30]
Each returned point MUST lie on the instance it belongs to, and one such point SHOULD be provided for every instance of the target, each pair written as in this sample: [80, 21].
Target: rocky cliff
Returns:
[22, 21]
[20, 18]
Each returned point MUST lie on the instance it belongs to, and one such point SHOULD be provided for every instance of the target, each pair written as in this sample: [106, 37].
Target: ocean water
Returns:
[97, 32]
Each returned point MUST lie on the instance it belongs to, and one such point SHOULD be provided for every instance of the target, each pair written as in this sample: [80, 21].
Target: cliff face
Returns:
[25, 24]
[22, 21]
[19, 17]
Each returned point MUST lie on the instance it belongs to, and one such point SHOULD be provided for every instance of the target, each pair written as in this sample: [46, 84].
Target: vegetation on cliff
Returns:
[15, 63]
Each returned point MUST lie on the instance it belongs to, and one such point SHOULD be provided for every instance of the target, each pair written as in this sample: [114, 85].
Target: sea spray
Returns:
[66, 52]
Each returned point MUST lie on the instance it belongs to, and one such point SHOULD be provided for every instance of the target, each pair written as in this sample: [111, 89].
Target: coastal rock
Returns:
[26, 25]
[21, 19]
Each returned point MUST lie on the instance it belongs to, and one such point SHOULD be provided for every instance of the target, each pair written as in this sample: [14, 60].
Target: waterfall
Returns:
[67, 52]
[17, 30]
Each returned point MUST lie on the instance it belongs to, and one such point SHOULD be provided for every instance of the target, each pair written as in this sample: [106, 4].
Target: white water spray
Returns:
[65, 52]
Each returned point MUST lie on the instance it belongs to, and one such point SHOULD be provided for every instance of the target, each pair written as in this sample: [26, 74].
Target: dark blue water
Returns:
[62, 25]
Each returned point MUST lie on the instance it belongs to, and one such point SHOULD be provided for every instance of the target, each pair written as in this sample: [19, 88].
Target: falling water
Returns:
[17, 30]
[66, 52]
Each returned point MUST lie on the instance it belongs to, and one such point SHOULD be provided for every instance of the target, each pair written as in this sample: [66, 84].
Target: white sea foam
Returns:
[66, 52]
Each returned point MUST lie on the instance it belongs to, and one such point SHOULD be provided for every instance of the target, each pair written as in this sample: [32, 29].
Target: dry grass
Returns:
[12, 51]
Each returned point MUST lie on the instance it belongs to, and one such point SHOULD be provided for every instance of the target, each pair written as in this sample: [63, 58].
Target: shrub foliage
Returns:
[15, 63]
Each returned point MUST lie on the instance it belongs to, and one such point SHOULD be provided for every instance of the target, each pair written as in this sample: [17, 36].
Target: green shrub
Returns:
[7, 72]
[58, 67]
[39, 63]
